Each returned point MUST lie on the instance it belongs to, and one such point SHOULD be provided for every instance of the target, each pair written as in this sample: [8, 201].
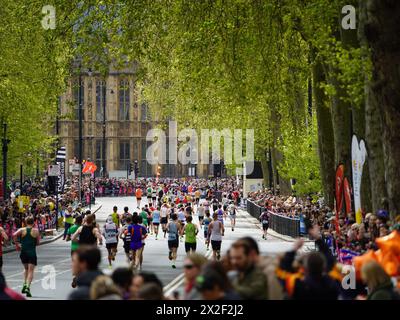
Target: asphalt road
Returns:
[54, 260]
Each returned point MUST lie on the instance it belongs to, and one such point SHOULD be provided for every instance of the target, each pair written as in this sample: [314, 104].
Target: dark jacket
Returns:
[84, 281]
[384, 292]
[324, 288]
[253, 285]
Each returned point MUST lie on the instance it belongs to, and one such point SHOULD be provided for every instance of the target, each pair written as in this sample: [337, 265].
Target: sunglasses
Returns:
[188, 266]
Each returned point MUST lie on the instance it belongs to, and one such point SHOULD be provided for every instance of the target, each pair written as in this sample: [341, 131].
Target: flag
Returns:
[347, 195]
[89, 167]
[60, 160]
[358, 157]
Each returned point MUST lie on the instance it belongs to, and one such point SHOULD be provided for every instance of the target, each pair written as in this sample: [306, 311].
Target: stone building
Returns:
[120, 136]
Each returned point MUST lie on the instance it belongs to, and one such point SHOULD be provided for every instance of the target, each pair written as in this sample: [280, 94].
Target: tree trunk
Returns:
[326, 149]
[382, 31]
[375, 166]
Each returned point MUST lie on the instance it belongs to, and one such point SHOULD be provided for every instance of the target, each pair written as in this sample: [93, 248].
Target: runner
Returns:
[190, 230]
[215, 203]
[221, 214]
[138, 233]
[232, 209]
[3, 237]
[125, 215]
[140, 222]
[264, 219]
[182, 219]
[200, 213]
[30, 238]
[75, 243]
[156, 220]
[143, 215]
[115, 216]
[206, 223]
[197, 195]
[215, 233]
[154, 196]
[88, 233]
[173, 229]
[138, 194]
[164, 218]
[110, 234]
[149, 194]
[68, 220]
[150, 219]
[126, 237]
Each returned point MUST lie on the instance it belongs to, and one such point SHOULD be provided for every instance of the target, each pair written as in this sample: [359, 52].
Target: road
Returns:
[55, 256]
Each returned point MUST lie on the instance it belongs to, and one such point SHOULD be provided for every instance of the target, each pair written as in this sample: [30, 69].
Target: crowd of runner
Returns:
[179, 211]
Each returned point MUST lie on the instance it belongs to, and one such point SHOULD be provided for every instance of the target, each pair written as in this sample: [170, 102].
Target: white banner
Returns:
[358, 156]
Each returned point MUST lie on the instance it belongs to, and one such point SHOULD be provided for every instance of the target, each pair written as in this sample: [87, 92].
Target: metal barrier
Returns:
[281, 224]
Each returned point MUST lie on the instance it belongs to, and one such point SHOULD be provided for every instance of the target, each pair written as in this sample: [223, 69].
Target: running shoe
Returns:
[170, 255]
[28, 293]
[24, 288]
[173, 266]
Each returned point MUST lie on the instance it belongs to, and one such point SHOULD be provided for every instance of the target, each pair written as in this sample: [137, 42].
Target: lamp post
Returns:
[103, 162]
[80, 118]
[5, 151]
[80, 133]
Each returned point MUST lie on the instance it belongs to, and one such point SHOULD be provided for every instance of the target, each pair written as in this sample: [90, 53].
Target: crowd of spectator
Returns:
[353, 238]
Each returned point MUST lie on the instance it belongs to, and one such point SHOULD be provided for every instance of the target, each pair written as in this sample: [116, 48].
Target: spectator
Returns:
[103, 288]
[122, 277]
[380, 286]
[150, 291]
[250, 282]
[314, 283]
[85, 265]
[142, 278]
[192, 268]
[7, 293]
[214, 285]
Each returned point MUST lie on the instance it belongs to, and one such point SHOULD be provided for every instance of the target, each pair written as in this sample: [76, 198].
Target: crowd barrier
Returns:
[281, 224]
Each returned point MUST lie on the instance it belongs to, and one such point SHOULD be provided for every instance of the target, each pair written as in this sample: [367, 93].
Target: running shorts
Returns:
[173, 244]
[265, 226]
[216, 245]
[189, 246]
[127, 247]
[164, 220]
[156, 223]
[26, 259]
[111, 245]
[136, 245]
[139, 198]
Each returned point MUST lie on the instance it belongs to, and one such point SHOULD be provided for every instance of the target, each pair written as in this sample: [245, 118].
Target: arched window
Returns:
[100, 99]
[124, 100]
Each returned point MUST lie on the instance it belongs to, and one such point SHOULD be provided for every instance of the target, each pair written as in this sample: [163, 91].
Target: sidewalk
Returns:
[58, 234]
[271, 232]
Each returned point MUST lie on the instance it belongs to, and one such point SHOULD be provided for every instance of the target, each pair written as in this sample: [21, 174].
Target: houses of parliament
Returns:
[115, 126]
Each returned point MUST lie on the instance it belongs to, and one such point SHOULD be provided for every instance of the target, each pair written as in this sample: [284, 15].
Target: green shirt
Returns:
[190, 233]
[115, 218]
[143, 214]
[71, 231]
